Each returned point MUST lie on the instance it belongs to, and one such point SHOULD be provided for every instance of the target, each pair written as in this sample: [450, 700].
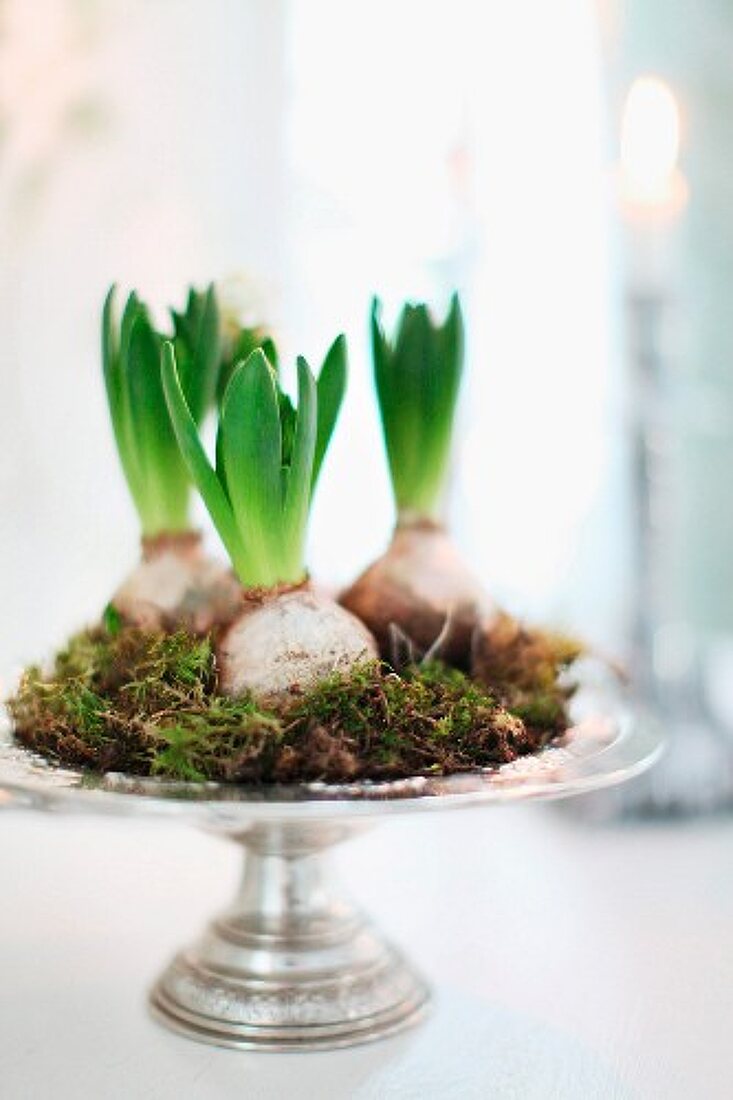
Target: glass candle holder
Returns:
[670, 95]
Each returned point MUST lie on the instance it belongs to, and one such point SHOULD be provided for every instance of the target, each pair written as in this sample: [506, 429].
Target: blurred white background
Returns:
[329, 151]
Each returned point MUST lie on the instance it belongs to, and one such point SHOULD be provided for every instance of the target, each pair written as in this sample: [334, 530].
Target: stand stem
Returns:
[292, 964]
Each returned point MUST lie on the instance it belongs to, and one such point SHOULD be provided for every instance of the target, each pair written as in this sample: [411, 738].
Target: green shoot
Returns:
[237, 346]
[157, 477]
[417, 376]
[268, 457]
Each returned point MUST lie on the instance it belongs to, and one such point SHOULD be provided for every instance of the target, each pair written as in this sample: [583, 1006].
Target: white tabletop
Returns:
[568, 961]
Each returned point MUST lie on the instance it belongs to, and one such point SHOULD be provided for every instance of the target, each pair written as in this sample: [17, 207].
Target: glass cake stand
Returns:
[293, 965]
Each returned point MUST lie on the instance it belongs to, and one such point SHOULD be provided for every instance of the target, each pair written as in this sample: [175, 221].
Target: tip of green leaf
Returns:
[256, 360]
[257, 357]
[112, 620]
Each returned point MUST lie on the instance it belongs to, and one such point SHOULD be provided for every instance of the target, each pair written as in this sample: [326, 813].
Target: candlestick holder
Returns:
[669, 87]
[672, 663]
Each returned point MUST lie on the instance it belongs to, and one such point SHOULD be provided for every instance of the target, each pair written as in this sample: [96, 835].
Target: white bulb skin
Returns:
[176, 587]
[285, 642]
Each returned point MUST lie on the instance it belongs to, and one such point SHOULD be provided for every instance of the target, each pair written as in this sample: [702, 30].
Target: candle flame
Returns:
[650, 143]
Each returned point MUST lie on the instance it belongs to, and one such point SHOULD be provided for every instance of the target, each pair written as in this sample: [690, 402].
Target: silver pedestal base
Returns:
[292, 965]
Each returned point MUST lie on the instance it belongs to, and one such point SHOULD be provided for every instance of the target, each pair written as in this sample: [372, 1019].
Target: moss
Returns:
[525, 668]
[427, 720]
[118, 699]
[125, 700]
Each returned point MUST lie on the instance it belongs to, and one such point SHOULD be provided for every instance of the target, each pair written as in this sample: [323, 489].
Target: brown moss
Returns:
[119, 699]
[525, 668]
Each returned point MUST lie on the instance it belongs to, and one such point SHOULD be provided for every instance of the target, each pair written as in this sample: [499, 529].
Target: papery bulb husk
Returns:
[177, 587]
[417, 585]
[285, 641]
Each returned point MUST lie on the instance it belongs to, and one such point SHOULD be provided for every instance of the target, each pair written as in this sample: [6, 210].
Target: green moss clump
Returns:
[124, 700]
[428, 719]
[119, 699]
